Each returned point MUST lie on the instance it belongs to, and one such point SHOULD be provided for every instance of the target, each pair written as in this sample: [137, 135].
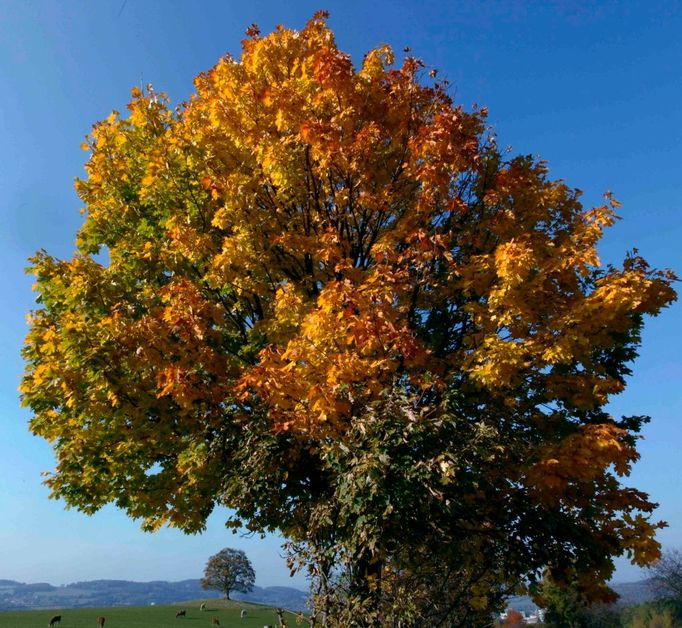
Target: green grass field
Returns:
[228, 613]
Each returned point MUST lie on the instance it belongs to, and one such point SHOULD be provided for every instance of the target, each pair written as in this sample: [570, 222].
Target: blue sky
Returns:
[595, 91]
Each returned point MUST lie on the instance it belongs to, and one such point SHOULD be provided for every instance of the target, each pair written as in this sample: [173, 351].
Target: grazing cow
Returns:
[57, 619]
[243, 613]
[203, 606]
[100, 621]
[182, 613]
[216, 621]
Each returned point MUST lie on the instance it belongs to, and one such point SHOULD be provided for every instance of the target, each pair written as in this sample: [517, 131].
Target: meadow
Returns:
[227, 613]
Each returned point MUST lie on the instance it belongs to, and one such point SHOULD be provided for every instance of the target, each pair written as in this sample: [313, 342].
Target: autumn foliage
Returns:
[320, 295]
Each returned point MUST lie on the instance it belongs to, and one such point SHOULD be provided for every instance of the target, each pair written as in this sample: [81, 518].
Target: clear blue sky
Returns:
[594, 91]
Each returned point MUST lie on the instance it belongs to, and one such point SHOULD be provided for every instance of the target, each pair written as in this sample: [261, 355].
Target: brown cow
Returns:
[100, 621]
[57, 619]
[182, 613]
[216, 621]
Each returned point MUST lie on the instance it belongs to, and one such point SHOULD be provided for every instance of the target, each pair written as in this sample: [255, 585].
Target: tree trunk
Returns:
[366, 582]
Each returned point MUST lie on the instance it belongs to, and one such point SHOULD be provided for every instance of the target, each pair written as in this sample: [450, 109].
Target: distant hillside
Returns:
[631, 594]
[19, 596]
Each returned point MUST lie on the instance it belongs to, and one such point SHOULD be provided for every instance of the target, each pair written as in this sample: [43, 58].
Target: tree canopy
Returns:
[229, 570]
[321, 296]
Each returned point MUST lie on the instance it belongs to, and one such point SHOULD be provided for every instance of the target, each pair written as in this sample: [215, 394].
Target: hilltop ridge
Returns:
[95, 593]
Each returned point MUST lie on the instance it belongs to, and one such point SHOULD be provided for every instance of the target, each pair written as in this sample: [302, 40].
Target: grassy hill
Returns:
[227, 613]
[17, 596]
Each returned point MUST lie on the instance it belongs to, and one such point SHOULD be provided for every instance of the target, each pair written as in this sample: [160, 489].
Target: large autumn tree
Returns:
[321, 296]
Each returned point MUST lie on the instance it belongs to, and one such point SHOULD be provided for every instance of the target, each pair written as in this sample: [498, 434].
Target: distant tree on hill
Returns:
[666, 575]
[229, 570]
